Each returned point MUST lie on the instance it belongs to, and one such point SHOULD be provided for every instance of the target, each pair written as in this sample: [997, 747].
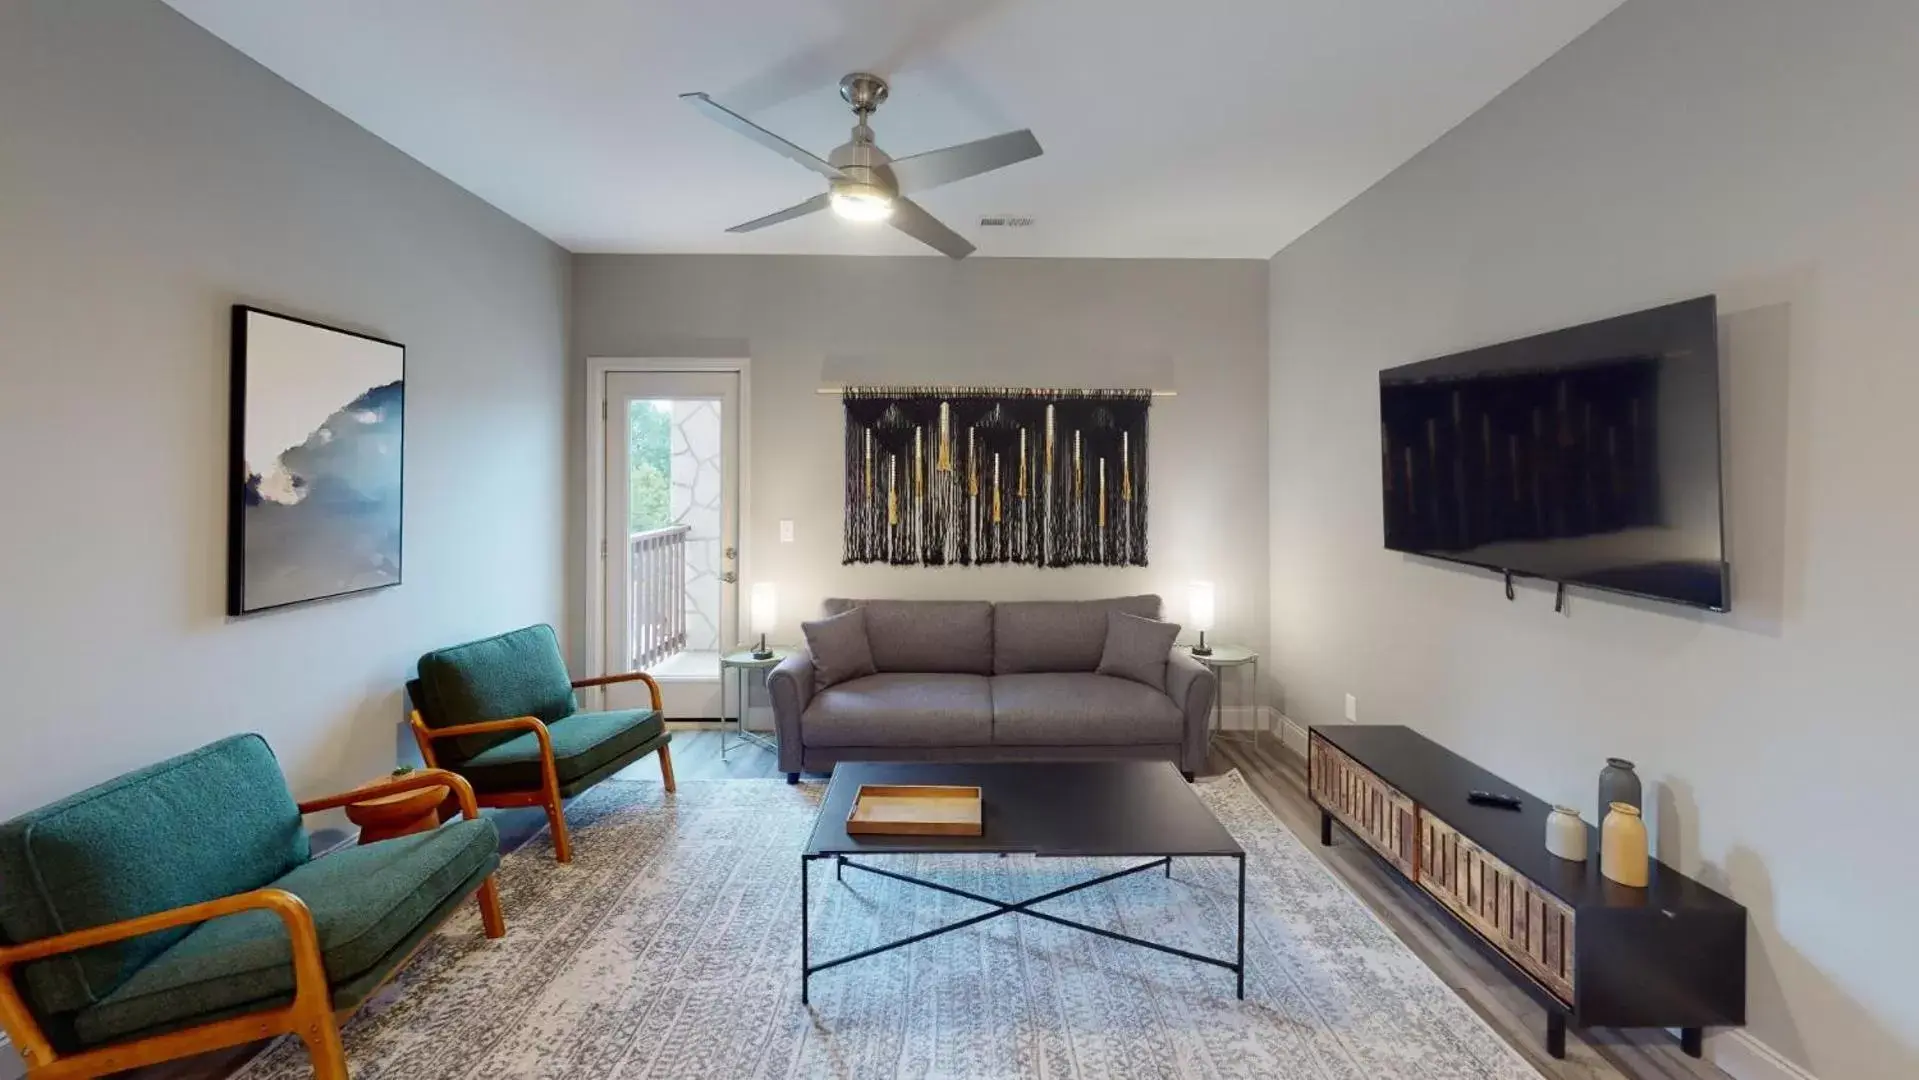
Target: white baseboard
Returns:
[1741, 1056]
[1242, 717]
[1292, 734]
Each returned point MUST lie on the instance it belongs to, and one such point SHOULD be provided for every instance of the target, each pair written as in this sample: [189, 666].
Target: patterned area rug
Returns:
[669, 948]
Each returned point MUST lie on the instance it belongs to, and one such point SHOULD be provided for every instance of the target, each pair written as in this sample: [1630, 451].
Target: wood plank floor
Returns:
[1278, 777]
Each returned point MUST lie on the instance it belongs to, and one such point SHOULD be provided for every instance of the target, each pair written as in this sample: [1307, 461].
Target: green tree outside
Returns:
[650, 429]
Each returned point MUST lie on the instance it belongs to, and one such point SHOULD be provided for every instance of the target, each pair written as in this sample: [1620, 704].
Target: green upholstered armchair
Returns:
[178, 909]
[502, 712]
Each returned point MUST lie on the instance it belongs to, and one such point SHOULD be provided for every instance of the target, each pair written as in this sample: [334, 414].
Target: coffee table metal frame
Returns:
[1026, 907]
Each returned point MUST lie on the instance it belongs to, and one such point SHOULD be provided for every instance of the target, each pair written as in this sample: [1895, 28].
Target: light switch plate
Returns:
[1352, 709]
[786, 530]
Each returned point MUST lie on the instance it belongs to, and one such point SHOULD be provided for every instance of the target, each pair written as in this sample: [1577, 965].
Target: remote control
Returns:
[1487, 798]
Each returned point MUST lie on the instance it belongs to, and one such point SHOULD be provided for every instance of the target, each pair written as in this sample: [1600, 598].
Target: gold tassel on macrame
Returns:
[996, 489]
[1022, 463]
[946, 437]
[972, 467]
[1125, 470]
[869, 466]
[892, 490]
[1048, 466]
[919, 465]
[1079, 473]
[1102, 493]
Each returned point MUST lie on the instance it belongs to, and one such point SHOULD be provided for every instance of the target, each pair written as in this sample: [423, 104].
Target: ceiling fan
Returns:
[864, 184]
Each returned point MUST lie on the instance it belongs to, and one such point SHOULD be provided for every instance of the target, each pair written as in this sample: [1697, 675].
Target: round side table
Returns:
[1230, 656]
[403, 814]
[742, 662]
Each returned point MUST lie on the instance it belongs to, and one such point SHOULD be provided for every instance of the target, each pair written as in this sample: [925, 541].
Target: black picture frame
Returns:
[245, 478]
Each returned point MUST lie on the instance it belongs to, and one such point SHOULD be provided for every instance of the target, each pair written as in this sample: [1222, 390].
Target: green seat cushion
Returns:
[583, 743]
[206, 824]
[515, 674]
[365, 901]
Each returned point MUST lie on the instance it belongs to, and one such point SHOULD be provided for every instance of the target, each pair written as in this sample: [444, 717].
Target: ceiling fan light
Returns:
[861, 202]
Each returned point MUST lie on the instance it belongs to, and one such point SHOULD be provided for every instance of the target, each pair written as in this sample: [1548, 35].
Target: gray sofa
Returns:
[962, 680]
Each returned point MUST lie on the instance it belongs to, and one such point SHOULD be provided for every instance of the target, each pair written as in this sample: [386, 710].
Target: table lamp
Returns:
[1199, 612]
[766, 612]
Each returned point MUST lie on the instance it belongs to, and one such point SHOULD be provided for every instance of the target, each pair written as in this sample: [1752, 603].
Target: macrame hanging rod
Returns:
[983, 391]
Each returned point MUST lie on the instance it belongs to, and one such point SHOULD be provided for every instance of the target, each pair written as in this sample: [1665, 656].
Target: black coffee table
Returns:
[1066, 810]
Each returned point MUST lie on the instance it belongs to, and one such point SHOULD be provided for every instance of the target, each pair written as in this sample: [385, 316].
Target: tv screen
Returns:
[1588, 456]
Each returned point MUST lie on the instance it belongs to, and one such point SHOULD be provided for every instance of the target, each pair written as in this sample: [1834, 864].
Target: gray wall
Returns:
[1198, 327]
[149, 177]
[1762, 150]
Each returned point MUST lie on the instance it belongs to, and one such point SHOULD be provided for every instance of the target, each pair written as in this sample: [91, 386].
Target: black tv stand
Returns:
[1593, 952]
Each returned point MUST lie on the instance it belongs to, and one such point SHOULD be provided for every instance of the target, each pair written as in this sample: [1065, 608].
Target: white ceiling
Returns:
[1187, 129]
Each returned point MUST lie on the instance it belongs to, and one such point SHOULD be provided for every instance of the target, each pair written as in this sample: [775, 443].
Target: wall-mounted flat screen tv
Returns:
[1587, 456]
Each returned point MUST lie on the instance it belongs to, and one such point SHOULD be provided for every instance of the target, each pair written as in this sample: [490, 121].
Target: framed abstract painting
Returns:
[317, 475]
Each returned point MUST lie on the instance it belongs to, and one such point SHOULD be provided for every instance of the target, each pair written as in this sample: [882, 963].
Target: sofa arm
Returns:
[1192, 685]
[791, 687]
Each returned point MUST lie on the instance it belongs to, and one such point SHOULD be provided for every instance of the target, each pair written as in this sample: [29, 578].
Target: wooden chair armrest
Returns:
[424, 778]
[290, 908]
[310, 988]
[652, 685]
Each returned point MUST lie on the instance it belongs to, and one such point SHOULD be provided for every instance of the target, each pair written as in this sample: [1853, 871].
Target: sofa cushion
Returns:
[839, 647]
[582, 743]
[1081, 709]
[953, 636]
[901, 709]
[365, 901]
[1137, 649]
[207, 824]
[1057, 635]
[520, 673]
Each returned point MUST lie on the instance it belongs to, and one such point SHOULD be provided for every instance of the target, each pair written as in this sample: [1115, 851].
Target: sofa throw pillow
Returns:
[1137, 648]
[840, 648]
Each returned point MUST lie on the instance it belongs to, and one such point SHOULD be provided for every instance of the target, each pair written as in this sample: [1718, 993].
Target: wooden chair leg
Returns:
[321, 1035]
[556, 817]
[666, 767]
[490, 915]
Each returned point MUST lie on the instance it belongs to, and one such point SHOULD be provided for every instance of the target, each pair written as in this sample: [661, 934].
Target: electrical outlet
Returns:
[786, 530]
[1352, 709]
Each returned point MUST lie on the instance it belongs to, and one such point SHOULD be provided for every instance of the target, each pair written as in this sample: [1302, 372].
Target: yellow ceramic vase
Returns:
[1623, 856]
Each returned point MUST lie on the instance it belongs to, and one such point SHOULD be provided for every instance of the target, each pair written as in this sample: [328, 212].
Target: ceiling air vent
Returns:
[1006, 221]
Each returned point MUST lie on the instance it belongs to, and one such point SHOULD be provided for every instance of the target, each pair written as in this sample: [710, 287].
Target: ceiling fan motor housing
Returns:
[864, 167]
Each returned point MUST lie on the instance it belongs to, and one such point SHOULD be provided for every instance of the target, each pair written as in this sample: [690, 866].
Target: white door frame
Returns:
[597, 369]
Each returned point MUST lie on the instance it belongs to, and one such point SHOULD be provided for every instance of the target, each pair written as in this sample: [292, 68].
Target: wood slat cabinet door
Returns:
[1529, 925]
[1374, 810]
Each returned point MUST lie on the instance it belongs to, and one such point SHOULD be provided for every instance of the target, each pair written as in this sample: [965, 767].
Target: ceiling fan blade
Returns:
[728, 118]
[910, 218]
[935, 167]
[812, 205]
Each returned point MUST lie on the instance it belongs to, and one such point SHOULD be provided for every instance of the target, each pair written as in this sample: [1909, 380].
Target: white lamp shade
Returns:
[766, 607]
[1199, 605]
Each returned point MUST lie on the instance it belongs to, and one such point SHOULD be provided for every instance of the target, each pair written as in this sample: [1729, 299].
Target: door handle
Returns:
[729, 577]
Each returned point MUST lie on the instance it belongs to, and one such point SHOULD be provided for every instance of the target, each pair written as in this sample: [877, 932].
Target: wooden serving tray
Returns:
[915, 810]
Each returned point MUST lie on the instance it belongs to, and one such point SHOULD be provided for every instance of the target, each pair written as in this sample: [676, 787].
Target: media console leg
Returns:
[1325, 828]
[1693, 1041]
[1556, 1034]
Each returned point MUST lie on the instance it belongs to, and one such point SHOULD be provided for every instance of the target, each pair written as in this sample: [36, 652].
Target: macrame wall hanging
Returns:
[968, 477]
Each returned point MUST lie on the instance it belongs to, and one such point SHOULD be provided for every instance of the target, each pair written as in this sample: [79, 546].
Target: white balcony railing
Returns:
[656, 605]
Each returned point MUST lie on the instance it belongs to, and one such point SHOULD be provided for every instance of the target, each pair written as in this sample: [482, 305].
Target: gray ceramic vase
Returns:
[1618, 783]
